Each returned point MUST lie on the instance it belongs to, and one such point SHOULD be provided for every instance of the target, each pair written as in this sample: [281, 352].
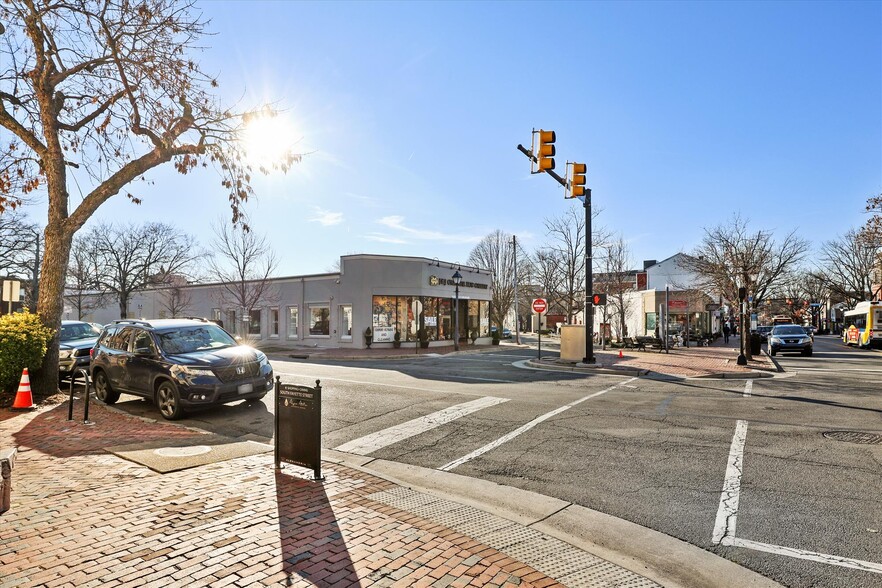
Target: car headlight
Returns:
[191, 371]
[64, 353]
[775, 340]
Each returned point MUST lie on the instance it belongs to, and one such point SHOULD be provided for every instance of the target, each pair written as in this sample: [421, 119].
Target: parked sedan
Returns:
[76, 341]
[764, 331]
[790, 338]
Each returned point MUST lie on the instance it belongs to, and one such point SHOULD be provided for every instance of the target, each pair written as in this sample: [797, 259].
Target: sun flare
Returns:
[268, 140]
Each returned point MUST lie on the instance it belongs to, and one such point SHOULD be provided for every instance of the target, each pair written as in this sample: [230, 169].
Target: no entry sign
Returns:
[540, 305]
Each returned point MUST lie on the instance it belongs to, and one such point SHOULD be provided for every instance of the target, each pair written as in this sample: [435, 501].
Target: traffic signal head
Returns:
[577, 180]
[598, 299]
[546, 150]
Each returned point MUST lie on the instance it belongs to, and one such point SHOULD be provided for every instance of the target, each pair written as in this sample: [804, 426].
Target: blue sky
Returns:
[684, 112]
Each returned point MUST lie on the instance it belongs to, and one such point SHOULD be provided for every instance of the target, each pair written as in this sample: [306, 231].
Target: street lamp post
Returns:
[457, 278]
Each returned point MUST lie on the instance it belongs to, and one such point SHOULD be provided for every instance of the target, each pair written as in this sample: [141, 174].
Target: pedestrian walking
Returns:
[726, 332]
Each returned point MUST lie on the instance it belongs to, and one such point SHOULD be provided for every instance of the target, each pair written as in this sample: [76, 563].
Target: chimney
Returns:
[648, 263]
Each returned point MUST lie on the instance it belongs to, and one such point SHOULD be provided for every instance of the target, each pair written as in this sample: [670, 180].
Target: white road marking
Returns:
[833, 560]
[383, 384]
[727, 514]
[374, 441]
[748, 387]
[523, 429]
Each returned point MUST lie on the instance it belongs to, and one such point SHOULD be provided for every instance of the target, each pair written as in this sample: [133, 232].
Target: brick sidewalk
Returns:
[83, 517]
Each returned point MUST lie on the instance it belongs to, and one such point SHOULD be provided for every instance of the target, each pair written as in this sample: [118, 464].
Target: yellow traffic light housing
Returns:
[576, 185]
[545, 153]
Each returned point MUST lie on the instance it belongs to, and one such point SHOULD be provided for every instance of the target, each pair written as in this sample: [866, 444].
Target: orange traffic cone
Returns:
[23, 398]
[620, 353]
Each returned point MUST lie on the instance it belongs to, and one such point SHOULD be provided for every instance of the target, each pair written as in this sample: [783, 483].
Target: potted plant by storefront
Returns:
[368, 337]
[473, 336]
[424, 338]
[496, 337]
[396, 341]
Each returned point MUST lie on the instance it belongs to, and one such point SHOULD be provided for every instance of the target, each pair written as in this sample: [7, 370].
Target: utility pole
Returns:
[514, 244]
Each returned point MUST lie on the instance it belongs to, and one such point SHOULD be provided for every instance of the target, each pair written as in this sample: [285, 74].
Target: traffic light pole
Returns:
[589, 283]
[589, 276]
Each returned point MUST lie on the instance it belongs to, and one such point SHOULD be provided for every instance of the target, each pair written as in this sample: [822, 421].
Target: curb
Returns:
[426, 353]
[661, 558]
[582, 368]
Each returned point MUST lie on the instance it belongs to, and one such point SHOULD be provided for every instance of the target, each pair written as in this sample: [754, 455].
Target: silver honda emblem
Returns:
[240, 370]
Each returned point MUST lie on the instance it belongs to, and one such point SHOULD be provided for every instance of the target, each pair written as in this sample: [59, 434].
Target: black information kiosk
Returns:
[299, 426]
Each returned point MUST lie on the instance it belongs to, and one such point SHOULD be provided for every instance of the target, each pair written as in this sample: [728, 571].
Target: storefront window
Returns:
[401, 318]
[346, 322]
[254, 322]
[431, 317]
[319, 320]
[473, 317]
[445, 326]
[292, 322]
[274, 322]
[485, 318]
[414, 312]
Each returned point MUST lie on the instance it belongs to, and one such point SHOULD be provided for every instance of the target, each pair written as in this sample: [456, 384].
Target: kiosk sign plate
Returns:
[298, 426]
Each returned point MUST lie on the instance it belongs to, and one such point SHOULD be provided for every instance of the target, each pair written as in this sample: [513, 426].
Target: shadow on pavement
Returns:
[313, 548]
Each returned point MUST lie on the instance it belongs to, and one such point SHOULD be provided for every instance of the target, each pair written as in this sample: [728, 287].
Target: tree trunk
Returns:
[123, 305]
[51, 304]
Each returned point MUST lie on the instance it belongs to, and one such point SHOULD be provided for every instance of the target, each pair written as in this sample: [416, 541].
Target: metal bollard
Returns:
[73, 378]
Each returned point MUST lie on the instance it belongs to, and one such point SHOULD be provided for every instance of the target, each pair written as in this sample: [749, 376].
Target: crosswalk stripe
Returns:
[374, 441]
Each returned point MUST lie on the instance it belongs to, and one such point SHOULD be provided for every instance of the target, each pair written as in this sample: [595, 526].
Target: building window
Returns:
[274, 322]
[254, 322]
[293, 322]
[346, 322]
[319, 320]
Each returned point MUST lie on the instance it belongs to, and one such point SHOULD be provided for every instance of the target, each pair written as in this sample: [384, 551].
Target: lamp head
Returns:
[457, 278]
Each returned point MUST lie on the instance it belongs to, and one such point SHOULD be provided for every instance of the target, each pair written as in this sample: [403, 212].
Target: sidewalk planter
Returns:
[424, 339]
[495, 335]
[7, 462]
[368, 337]
[396, 342]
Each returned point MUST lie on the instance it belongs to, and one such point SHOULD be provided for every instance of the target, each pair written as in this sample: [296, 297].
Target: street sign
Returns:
[815, 304]
[11, 291]
[750, 298]
[540, 305]
[679, 304]
[712, 307]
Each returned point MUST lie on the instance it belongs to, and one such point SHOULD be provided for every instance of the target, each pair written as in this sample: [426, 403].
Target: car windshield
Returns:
[194, 338]
[788, 330]
[764, 329]
[76, 331]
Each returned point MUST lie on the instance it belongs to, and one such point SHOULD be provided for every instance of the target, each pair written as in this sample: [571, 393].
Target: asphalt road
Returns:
[805, 482]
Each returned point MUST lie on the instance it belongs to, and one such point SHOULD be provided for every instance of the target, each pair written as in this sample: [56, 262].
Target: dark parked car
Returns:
[790, 338]
[178, 364]
[76, 340]
[506, 333]
[764, 331]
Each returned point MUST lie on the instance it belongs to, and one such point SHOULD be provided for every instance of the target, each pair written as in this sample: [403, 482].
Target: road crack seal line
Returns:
[727, 514]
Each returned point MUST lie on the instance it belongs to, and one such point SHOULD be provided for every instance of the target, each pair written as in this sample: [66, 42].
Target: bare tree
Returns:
[243, 263]
[731, 256]
[847, 264]
[128, 258]
[567, 239]
[616, 280]
[107, 89]
[496, 253]
[82, 279]
[173, 297]
[547, 265]
[20, 244]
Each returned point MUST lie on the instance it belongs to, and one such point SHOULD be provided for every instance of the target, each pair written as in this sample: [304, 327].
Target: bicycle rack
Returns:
[73, 379]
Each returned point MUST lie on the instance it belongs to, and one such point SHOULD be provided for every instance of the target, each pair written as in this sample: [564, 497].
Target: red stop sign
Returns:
[539, 305]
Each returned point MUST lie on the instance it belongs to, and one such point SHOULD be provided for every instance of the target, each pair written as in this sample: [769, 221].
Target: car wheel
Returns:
[103, 391]
[169, 401]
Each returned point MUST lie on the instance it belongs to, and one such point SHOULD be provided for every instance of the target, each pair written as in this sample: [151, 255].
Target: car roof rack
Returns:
[132, 322]
[195, 318]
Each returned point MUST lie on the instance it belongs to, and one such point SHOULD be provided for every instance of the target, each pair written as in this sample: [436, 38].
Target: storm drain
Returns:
[855, 437]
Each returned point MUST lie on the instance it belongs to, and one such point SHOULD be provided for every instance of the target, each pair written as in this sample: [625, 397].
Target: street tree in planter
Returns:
[396, 341]
[368, 337]
[94, 95]
[423, 336]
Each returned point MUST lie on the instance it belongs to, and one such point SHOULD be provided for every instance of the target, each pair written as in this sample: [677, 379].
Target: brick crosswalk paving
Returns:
[83, 517]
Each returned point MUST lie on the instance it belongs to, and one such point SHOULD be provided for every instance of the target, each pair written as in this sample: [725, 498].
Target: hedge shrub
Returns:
[23, 343]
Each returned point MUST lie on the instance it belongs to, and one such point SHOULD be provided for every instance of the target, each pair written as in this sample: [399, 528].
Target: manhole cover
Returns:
[855, 437]
[182, 451]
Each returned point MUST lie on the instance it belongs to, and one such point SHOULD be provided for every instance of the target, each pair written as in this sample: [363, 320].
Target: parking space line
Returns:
[748, 388]
[727, 514]
[374, 441]
[832, 560]
[523, 429]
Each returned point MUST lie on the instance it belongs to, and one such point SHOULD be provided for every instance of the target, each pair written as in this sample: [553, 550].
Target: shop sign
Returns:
[678, 304]
[436, 281]
[384, 334]
[298, 419]
[431, 321]
[711, 307]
